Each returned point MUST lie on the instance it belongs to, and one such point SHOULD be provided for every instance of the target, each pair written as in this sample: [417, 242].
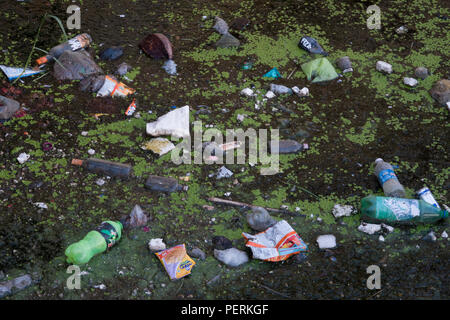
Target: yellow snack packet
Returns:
[176, 261]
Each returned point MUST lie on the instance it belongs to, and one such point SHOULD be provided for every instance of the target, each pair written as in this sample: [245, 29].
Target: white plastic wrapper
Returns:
[14, 73]
[114, 88]
[277, 243]
[174, 123]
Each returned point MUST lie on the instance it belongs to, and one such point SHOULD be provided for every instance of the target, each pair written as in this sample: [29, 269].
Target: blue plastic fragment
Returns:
[274, 74]
[111, 53]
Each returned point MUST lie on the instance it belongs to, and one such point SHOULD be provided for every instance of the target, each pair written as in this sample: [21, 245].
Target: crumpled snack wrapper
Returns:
[277, 243]
[176, 261]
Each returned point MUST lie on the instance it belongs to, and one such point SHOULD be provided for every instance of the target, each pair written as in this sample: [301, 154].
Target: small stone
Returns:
[6, 289]
[198, 253]
[327, 241]
[344, 64]
[304, 92]
[22, 282]
[224, 173]
[220, 26]
[259, 219]
[431, 237]
[401, 30]
[421, 73]
[23, 157]
[388, 228]
[247, 92]
[91, 152]
[41, 205]
[369, 228]
[410, 81]
[232, 257]
[240, 23]
[342, 210]
[221, 243]
[156, 245]
[100, 286]
[123, 69]
[270, 95]
[441, 91]
[384, 67]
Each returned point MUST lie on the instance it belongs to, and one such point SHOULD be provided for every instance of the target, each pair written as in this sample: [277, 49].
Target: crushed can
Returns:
[426, 195]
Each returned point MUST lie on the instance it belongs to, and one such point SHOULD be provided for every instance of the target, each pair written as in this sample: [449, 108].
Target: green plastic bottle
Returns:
[400, 210]
[95, 242]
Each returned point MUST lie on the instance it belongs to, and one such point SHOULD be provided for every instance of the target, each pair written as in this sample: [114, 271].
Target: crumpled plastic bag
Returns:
[277, 243]
[170, 66]
[8, 107]
[75, 66]
[319, 70]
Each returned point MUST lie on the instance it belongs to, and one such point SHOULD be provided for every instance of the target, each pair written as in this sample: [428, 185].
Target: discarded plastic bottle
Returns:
[426, 195]
[388, 180]
[109, 168]
[388, 209]
[80, 41]
[95, 242]
[164, 184]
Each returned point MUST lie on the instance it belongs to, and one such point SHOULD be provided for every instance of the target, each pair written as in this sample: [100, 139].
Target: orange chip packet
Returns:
[176, 261]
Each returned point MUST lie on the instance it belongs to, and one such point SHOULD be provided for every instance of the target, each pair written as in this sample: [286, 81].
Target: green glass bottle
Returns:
[386, 209]
[95, 242]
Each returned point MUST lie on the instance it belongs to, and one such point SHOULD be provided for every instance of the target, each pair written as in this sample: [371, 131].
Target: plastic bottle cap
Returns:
[77, 162]
[378, 160]
[42, 60]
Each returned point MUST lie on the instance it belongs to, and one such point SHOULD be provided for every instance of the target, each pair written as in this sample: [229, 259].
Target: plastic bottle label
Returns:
[109, 233]
[403, 209]
[386, 175]
[75, 44]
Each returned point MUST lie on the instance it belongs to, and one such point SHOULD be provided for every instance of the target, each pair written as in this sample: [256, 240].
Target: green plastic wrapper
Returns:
[319, 70]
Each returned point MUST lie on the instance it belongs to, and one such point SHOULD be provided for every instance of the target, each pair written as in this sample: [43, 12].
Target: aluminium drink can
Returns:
[426, 195]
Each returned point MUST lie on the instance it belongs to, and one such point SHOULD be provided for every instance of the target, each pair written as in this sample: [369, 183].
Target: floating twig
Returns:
[242, 204]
